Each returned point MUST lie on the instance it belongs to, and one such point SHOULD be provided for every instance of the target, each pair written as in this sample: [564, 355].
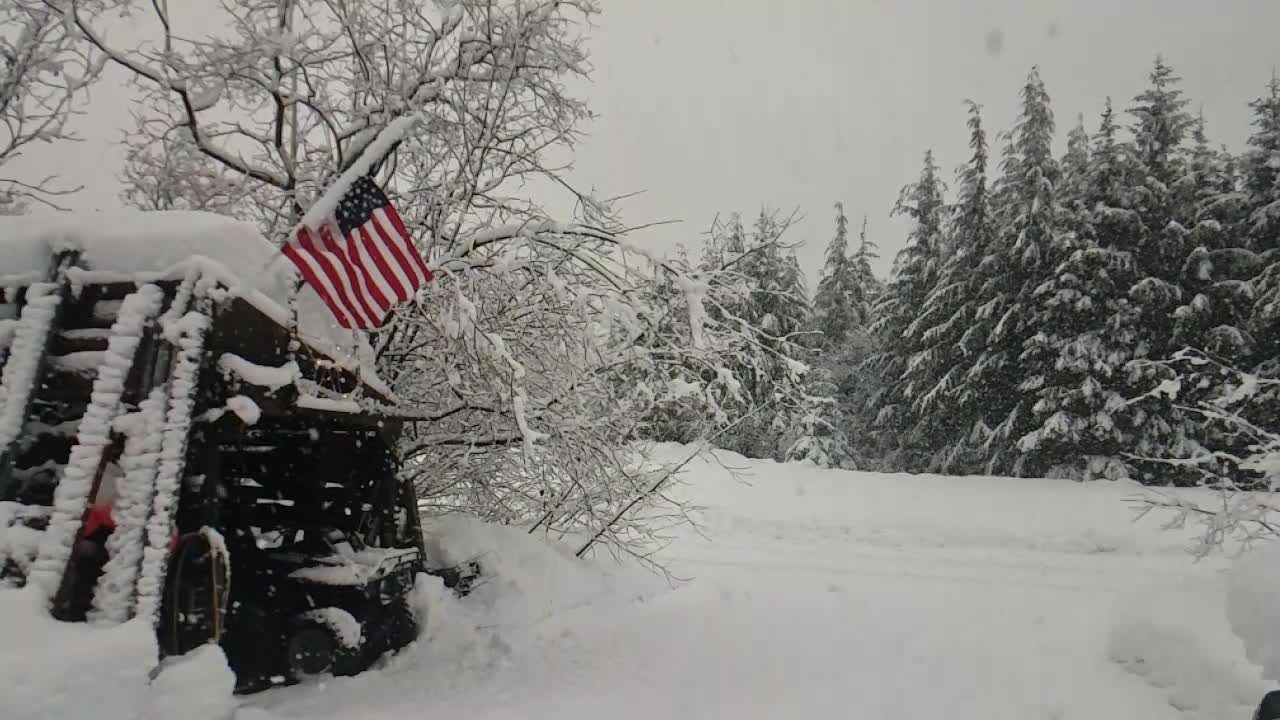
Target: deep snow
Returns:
[815, 594]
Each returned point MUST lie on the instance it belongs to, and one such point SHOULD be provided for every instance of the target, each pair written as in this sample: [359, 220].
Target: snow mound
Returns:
[510, 620]
[527, 577]
[1178, 640]
[529, 581]
[53, 669]
[1172, 659]
[1253, 586]
[196, 686]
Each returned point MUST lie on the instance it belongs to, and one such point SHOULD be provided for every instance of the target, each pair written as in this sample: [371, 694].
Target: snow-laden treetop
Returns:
[146, 246]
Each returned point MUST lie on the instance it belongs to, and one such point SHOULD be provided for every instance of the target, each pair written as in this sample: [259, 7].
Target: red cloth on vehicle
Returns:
[98, 517]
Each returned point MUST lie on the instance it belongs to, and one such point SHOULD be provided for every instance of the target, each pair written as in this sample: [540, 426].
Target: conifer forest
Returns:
[1105, 311]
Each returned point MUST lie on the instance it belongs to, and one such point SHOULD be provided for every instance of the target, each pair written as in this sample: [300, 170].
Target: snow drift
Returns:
[528, 580]
[1253, 607]
[815, 592]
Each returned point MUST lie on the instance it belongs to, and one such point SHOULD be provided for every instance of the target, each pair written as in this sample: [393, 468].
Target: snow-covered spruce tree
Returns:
[44, 74]
[1029, 242]
[842, 303]
[944, 406]
[1235, 404]
[1161, 127]
[898, 336]
[834, 432]
[854, 383]
[1261, 186]
[680, 412]
[764, 289]
[866, 252]
[1162, 246]
[1088, 331]
[1259, 228]
[1074, 183]
[1217, 294]
[511, 363]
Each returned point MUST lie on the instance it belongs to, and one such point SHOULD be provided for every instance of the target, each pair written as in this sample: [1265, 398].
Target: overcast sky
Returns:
[721, 105]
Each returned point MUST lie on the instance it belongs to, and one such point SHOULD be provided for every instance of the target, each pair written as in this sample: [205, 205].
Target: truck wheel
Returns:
[403, 627]
[312, 651]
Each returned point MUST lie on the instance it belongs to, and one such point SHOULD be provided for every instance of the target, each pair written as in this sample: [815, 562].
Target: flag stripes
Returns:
[362, 262]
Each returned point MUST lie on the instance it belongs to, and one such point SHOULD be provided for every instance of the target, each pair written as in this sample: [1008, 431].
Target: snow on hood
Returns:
[129, 242]
[145, 246]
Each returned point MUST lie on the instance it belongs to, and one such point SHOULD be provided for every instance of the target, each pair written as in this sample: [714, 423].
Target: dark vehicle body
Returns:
[263, 515]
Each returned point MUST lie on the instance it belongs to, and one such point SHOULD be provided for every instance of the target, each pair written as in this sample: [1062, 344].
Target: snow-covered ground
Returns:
[826, 594]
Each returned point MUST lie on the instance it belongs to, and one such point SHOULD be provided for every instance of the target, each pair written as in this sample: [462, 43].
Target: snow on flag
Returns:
[361, 260]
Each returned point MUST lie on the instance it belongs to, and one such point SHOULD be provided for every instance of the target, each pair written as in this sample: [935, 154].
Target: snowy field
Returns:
[814, 594]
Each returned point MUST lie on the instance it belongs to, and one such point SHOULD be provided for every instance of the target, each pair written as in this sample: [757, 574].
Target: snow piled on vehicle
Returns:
[125, 245]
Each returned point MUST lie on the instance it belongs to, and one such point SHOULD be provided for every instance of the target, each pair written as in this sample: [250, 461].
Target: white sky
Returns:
[715, 105]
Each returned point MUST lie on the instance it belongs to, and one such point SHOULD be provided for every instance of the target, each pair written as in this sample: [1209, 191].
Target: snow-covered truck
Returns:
[186, 438]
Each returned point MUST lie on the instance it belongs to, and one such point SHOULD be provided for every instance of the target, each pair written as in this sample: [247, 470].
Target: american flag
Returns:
[361, 262]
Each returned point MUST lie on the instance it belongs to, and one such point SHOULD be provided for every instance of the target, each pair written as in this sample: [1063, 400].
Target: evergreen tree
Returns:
[1164, 244]
[1086, 337]
[771, 296]
[1261, 171]
[1029, 244]
[1075, 171]
[899, 337]
[1162, 124]
[833, 433]
[1216, 272]
[1213, 320]
[944, 407]
[840, 305]
[1028, 327]
[866, 277]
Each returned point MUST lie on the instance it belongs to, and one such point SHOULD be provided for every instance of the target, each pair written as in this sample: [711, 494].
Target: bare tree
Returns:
[44, 72]
[527, 365]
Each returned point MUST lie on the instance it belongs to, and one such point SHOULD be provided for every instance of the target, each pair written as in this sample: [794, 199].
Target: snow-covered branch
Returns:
[531, 364]
[269, 115]
[1243, 466]
[44, 73]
